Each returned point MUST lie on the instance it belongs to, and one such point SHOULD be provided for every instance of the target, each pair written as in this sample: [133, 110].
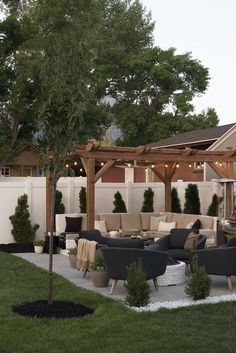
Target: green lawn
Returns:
[113, 328]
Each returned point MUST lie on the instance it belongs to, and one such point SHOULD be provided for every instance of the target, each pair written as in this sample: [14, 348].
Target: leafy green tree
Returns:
[119, 204]
[213, 207]
[148, 201]
[158, 87]
[17, 93]
[199, 284]
[175, 201]
[83, 200]
[192, 201]
[23, 232]
[137, 287]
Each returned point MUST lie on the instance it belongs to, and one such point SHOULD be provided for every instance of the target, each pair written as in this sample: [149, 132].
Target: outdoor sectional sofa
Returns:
[145, 223]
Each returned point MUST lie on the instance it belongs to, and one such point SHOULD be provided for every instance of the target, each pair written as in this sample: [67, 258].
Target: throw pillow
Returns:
[101, 226]
[197, 224]
[154, 221]
[189, 226]
[166, 226]
[189, 243]
[73, 224]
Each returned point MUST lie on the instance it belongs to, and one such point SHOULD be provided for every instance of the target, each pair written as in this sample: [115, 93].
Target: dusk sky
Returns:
[207, 28]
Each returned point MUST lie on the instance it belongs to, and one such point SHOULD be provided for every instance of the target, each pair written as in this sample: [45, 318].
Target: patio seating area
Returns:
[162, 295]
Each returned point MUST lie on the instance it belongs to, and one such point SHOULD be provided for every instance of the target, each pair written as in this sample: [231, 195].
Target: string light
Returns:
[102, 164]
[145, 169]
[190, 165]
[67, 165]
[129, 165]
[216, 163]
[75, 163]
[152, 165]
[220, 164]
[166, 165]
[81, 170]
[177, 165]
[202, 164]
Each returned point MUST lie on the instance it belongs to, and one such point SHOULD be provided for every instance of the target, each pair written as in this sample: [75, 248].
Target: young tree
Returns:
[175, 201]
[119, 204]
[148, 201]
[22, 231]
[192, 201]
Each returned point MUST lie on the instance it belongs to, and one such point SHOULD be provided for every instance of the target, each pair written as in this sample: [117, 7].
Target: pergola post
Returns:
[90, 192]
[167, 196]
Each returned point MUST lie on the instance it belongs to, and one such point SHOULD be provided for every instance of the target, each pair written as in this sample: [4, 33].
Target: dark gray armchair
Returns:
[218, 261]
[117, 261]
[174, 242]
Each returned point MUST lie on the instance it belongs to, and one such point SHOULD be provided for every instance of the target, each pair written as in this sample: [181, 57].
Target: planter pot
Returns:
[100, 278]
[72, 259]
[38, 249]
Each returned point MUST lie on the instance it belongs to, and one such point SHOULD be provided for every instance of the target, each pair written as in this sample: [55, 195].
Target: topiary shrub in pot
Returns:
[82, 200]
[213, 208]
[38, 246]
[192, 201]
[99, 274]
[23, 232]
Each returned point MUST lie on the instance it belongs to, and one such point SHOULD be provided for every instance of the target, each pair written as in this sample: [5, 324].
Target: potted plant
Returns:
[38, 246]
[72, 256]
[99, 273]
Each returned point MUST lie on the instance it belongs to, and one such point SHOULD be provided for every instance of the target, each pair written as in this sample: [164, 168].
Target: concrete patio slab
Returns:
[171, 293]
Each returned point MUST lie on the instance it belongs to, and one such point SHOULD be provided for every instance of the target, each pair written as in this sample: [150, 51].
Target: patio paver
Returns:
[171, 293]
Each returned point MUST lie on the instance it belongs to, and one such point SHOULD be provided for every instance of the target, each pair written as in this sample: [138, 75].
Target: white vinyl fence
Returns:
[13, 187]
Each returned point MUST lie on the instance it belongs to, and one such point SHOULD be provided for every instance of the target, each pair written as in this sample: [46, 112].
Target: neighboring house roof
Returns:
[211, 134]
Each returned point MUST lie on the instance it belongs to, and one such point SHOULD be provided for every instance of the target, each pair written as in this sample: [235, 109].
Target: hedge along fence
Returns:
[132, 193]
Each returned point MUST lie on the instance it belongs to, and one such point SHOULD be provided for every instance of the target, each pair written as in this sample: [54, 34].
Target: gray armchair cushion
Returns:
[178, 237]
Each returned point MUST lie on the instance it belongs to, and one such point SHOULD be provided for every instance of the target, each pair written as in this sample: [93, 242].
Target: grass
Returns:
[112, 329]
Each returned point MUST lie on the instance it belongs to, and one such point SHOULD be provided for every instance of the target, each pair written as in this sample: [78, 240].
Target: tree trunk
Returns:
[50, 272]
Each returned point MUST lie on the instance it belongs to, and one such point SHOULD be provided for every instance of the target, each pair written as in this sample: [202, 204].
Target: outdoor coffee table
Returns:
[173, 276]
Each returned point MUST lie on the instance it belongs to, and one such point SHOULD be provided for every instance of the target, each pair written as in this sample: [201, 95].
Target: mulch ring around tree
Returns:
[58, 309]
[15, 248]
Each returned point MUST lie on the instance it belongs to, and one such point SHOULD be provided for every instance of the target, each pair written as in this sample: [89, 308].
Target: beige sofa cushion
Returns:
[145, 219]
[131, 222]
[166, 226]
[113, 220]
[154, 222]
[206, 222]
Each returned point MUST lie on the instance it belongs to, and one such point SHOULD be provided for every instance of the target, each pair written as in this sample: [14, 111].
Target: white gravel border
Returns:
[185, 302]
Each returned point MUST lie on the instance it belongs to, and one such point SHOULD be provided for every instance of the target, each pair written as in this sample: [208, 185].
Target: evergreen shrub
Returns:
[148, 201]
[199, 284]
[192, 201]
[138, 289]
[119, 204]
[175, 201]
[213, 208]
[23, 232]
[82, 200]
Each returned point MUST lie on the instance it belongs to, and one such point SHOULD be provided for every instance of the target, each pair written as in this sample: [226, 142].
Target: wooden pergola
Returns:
[92, 155]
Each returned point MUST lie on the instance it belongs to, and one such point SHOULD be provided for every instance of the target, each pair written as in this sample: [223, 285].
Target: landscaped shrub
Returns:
[137, 287]
[82, 200]
[175, 201]
[22, 230]
[148, 201]
[198, 286]
[192, 201]
[59, 206]
[119, 204]
[213, 208]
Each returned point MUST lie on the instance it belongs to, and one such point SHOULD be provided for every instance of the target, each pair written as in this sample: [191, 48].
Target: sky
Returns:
[207, 29]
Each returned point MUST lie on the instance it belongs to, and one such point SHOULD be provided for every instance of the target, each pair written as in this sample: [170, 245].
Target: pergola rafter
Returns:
[93, 154]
